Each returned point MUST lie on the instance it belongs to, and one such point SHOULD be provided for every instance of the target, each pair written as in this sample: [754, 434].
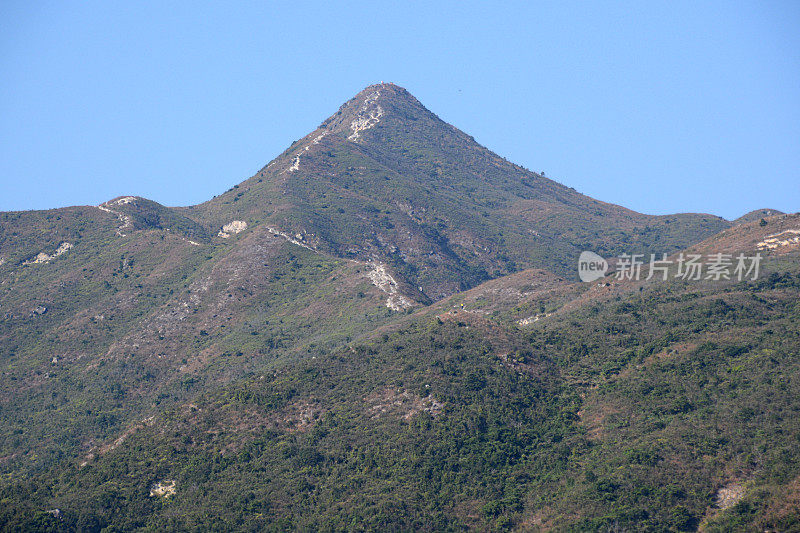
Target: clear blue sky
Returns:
[659, 106]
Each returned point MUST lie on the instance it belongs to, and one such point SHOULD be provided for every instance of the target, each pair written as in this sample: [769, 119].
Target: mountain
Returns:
[385, 179]
[382, 329]
[757, 214]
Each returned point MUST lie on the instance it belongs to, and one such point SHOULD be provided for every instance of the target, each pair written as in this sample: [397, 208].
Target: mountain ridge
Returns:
[383, 179]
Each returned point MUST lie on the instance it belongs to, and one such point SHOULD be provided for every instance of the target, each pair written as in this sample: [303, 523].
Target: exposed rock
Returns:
[122, 200]
[790, 237]
[42, 257]
[296, 163]
[369, 114]
[318, 138]
[232, 228]
[402, 403]
[127, 220]
[398, 302]
[164, 489]
[729, 495]
[385, 282]
[531, 319]
[291, 239]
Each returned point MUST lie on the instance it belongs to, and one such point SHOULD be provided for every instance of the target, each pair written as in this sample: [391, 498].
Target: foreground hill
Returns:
[106, 318]
[644, 405]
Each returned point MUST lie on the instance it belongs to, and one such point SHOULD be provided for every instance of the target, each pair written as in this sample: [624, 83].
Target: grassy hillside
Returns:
[652, 405]
[128, 321]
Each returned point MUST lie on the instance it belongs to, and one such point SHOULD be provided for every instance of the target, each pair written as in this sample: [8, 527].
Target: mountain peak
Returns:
[388, 90]
[757, 214]
[385, 179]
[369, 106]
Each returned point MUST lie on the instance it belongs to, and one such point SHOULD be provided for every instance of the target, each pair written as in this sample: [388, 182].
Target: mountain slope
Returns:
[132, 317]
[385, 178]
[757, 214]
[668, 408]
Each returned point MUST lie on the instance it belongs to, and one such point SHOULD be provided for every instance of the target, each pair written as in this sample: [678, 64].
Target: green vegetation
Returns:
[629, 413]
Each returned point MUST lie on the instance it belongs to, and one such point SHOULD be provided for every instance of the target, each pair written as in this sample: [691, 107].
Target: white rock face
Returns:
[122, 201]
[369, 114]
[291, 239]
[295, 164]
[729, 495]
[42, 257]
[381, 279]
[790, 237]
[163, 488]
[532, 319]
[127, 221]
[398, 302]
[232, 228]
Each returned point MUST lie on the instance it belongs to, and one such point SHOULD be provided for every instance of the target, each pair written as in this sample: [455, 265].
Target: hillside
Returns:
[385, 178]
[382, 329]
[127, 319]
[757, 215]
[653, 405]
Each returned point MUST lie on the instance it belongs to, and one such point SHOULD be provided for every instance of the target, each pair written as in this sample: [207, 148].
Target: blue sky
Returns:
[659, 106]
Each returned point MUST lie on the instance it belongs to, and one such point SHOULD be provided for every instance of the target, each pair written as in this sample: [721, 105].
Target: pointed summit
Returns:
[366, 109]
[384, 179]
